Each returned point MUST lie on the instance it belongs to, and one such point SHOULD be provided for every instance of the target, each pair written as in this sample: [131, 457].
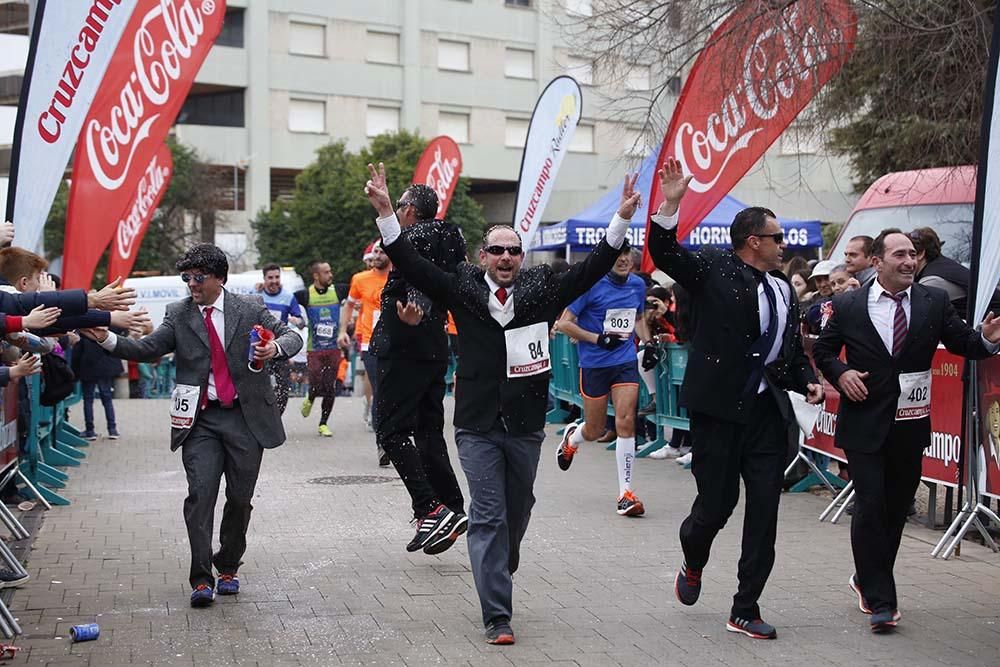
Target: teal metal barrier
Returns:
[565, 388]
[51, 441]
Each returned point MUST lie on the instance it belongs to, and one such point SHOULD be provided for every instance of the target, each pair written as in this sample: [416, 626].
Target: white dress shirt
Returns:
[503, 313]
[218, 320]
[882, 311]
[782, 295]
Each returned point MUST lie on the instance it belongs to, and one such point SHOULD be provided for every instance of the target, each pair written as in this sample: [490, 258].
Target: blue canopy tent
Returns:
[585, 229]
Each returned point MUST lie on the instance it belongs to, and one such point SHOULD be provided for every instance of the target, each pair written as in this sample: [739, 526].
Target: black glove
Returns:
[609, 341]
[650, 357]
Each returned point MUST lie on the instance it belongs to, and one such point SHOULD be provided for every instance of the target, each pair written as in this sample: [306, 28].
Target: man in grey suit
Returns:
[223, 414]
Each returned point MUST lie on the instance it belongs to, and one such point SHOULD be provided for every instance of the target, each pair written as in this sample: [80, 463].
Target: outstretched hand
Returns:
[377, 191]
[410, 314]
[673, 185]
[991, 327]
[631, 198]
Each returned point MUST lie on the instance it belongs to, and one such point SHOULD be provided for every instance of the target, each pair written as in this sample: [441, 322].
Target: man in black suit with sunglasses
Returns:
[503, 315]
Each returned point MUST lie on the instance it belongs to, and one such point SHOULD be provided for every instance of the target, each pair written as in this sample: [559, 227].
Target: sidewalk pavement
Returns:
[327, 580]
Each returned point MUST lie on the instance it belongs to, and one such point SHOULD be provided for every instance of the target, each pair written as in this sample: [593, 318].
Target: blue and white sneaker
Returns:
[202, 596]
[228, 584]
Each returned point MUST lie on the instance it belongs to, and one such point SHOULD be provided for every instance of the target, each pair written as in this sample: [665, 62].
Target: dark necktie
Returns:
[501, 295]
[762, 346]
[224, 388]
[899, 326]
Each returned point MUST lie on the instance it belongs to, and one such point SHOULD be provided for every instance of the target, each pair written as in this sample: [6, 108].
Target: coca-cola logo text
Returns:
[777, 63]
[441, 178]
[164, 43]
[150, 186]
[51, 120]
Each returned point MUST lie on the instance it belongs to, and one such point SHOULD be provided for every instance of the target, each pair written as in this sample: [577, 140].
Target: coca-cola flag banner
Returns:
[550, 132]
[133, 224]
[439, 168]
[150, 75]
[71, 46]
[759, 69]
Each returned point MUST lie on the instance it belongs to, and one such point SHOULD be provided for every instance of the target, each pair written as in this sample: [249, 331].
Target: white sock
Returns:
[625, 453]
[577, 438]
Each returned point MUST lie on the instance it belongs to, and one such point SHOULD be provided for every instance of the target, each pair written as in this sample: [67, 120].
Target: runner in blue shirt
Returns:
[603, 322]
[285, 308]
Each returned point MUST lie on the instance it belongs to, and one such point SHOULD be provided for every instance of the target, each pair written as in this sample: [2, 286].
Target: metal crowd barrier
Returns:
[565, 389]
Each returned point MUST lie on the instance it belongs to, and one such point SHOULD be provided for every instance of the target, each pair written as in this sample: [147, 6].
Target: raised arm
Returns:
[686, 267]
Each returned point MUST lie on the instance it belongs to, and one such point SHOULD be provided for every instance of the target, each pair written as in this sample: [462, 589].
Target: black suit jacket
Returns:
[443, 244]
[864, 426]
[725, 322]
[483, 392]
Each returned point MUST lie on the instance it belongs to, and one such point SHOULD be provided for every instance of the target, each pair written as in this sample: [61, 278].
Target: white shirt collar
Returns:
[878, 291]
[494, 287]
[218, 305]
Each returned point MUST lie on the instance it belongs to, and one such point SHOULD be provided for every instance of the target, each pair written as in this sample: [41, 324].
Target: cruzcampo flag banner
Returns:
[550, 132]
[72, 42]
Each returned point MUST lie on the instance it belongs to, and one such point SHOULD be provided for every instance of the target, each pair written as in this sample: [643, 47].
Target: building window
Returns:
[637, 78]
[223, 109]
[454, 125]
[307, 39]
[636, 144]
[674, 85]
[453, 55]
[579, 7]
[583, 139]
[516, 133]
[381, 120]
[382, 47]
[517, 3]
[580, 69]
[232, 29]
[519, 64]
[306, 116]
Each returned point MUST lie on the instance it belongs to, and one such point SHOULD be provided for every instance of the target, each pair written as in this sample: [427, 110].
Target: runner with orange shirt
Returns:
[365, 296]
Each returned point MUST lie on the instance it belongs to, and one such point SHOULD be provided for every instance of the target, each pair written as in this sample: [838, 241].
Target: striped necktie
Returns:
[899, 326]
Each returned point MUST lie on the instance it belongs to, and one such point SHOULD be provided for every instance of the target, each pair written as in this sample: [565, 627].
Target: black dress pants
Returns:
[722, 453]
[884, 484]
[409, 401]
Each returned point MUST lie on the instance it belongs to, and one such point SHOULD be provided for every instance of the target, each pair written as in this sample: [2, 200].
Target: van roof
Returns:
[941, 185]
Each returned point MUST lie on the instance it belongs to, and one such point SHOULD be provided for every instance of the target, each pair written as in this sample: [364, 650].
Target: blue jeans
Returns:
[104, 388]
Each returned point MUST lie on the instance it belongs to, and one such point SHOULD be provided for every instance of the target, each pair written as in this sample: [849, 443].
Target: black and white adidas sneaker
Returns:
[431, 526]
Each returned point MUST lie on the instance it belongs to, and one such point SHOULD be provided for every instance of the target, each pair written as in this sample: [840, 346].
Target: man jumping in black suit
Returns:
[891, 328]
[745, 353]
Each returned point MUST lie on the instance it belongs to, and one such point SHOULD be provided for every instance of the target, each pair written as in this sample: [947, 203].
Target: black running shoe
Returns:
[883, 621]
[756, 629]
[11, 579]
[430, 526]
[566, 451]
[446, 538]
[687, 585]
[499, 632]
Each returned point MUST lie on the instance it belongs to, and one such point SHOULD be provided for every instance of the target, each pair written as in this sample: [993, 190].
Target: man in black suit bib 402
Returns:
[890, 328]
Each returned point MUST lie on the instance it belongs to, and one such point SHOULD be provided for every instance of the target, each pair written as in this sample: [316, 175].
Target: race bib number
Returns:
[324, 331]
[914, 396]
[619, 320]
[528, 350]
[375, 315]
[184, 405]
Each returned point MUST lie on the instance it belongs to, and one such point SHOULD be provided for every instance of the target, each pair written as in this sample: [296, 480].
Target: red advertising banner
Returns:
[759, 69]
[149, 77]
[135, 221]
[8, 434]
[439, 168]
[989, 426]
[941, 458]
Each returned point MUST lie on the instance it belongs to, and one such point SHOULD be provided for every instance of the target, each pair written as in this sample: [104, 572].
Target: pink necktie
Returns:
[224, 387]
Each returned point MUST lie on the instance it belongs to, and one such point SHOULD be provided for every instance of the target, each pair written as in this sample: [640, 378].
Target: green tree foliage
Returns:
[329, 218]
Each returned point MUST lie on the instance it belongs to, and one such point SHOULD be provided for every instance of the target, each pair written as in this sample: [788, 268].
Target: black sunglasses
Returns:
[512, 250]
[198, 278]
[778, 237]
[401, 204]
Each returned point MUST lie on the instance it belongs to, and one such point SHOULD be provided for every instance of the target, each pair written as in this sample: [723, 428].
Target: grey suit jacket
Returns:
[183, 332]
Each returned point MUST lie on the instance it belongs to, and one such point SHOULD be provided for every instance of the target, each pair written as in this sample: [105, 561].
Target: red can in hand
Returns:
[258, 336]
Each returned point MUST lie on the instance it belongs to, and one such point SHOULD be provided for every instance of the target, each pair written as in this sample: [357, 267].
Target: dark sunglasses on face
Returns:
[498, 250]
[197, 277]
[402, 204]
[779, 237]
